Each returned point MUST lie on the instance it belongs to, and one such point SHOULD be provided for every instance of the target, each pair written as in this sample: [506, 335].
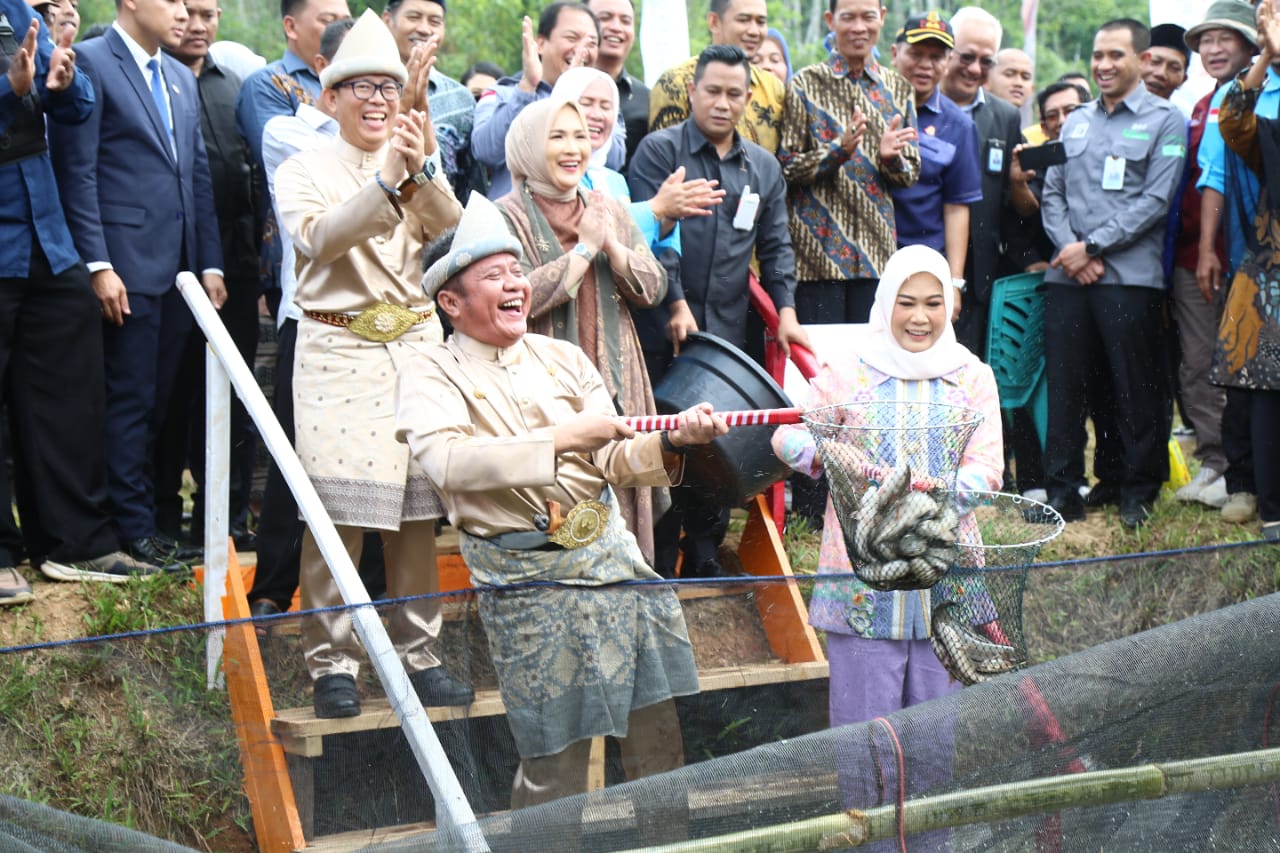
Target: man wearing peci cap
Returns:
[934, 212]
[1226, 41]
[1164, 64]
[359, 212]
[510, 427]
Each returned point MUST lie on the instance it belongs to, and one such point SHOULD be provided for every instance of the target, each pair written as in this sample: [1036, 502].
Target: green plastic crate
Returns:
[1015, 345]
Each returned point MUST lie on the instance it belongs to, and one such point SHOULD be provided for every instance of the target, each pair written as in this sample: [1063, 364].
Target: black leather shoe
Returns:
[246, 540]
[150, 549]
[335, 696]
[1070, 507]
[181, 553]
[1134, 513]
[1103, 494]
[436, 687]
[263, 607]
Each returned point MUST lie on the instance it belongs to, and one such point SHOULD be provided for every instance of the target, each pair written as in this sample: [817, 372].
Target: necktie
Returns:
[162, 105]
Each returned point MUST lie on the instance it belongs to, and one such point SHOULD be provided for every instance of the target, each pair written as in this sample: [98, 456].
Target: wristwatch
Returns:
[958, 284]
[418, 179]
[1091, 248]
[584, 252]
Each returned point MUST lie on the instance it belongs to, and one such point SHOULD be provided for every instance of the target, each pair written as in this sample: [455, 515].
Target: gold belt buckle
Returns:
[384, 322]
[582, 525]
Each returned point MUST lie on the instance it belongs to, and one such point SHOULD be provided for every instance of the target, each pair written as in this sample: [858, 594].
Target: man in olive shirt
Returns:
[742, 24]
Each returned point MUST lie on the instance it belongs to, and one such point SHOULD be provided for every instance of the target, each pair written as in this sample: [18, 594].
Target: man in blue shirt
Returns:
[50, 328]
[568, 35]
[935, 210]
[448, 103]
[278, 87]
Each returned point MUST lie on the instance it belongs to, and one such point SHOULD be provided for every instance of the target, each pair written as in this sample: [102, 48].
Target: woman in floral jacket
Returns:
[877, 642]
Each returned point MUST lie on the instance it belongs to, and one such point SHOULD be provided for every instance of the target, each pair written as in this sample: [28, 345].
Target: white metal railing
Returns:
[226, 369]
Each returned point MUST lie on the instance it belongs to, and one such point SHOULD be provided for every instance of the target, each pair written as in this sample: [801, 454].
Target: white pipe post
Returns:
[216, 490]
[452, 808]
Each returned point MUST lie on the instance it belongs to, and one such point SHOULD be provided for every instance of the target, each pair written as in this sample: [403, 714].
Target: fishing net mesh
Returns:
[124, 729]
[891, 468]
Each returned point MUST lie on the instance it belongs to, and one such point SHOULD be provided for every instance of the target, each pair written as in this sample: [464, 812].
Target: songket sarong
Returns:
[344, 396]
[575, 659]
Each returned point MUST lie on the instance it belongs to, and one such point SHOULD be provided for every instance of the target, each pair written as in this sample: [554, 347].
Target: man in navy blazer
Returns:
[134, 181]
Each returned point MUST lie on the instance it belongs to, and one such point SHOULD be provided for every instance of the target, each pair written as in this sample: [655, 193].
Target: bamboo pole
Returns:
[997, 802]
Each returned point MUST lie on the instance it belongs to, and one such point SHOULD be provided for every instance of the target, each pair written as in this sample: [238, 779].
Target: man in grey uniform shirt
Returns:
[1105, 212]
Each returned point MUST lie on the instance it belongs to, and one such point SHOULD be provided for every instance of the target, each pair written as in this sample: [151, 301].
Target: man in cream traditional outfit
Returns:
[510, 427]
[359, 212]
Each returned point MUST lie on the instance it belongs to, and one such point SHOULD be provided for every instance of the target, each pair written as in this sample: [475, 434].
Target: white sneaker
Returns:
[1191, 491]
[1214, 494]
[1240, 508]
[1036, 495]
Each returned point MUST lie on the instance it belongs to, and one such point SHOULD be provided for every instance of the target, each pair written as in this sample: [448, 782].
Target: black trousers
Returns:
[826, 301]
[279, 528]
[1107, 334]
[1237, 441]
[1264, 421]
[181, 442]
[51, 350]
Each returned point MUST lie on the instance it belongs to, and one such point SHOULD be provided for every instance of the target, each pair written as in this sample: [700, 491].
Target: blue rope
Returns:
[692, 582]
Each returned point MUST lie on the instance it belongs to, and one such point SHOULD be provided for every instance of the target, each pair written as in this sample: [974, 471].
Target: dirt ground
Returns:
[57, 613]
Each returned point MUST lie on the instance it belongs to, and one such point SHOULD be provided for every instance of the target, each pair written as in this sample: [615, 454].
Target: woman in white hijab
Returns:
[877, 642]
[659, 217]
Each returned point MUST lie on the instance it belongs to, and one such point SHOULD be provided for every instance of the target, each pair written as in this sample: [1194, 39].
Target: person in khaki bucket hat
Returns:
[1226, 40]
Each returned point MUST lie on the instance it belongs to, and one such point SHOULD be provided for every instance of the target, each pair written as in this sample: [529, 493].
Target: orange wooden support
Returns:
[266, 776]
[452, 572]
[782, 610]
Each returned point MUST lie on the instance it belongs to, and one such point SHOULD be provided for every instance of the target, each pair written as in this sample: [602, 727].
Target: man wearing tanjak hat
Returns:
[520, 437]
[359, 213]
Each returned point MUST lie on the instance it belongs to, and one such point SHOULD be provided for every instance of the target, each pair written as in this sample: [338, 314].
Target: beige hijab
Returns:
[527, 145]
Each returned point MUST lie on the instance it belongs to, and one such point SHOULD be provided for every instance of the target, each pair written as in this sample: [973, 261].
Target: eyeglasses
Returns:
[967, 59]
[364, 89]
[1061, 112]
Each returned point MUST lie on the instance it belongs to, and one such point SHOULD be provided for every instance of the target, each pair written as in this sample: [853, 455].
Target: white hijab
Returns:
[881, 350]
[570, 86]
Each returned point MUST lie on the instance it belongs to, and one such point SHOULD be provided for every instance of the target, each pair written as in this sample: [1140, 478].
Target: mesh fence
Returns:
[115, 744]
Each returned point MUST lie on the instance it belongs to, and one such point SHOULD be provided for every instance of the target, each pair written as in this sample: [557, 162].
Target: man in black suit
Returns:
[182, 439]
[978, 35]
[134, 181]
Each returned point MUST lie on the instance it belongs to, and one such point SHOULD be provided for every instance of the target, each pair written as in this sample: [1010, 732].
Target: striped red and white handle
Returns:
[753, 417]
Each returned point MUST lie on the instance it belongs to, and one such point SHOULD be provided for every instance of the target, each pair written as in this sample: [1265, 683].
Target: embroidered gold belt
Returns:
[381, 323]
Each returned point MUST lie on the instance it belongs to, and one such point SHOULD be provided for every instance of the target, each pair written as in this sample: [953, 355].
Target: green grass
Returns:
[124, 730]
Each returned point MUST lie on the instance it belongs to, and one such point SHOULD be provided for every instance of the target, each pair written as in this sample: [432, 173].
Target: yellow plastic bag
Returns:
[1179, 476]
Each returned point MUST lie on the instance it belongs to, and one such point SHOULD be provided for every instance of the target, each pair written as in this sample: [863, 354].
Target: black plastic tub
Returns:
[734, 467]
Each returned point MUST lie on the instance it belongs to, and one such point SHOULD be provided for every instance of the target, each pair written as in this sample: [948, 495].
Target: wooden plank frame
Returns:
[266, 776]
[782, 610]
[269, 741]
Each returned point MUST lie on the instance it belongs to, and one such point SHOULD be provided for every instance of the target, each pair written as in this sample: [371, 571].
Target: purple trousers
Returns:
[874, 678]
